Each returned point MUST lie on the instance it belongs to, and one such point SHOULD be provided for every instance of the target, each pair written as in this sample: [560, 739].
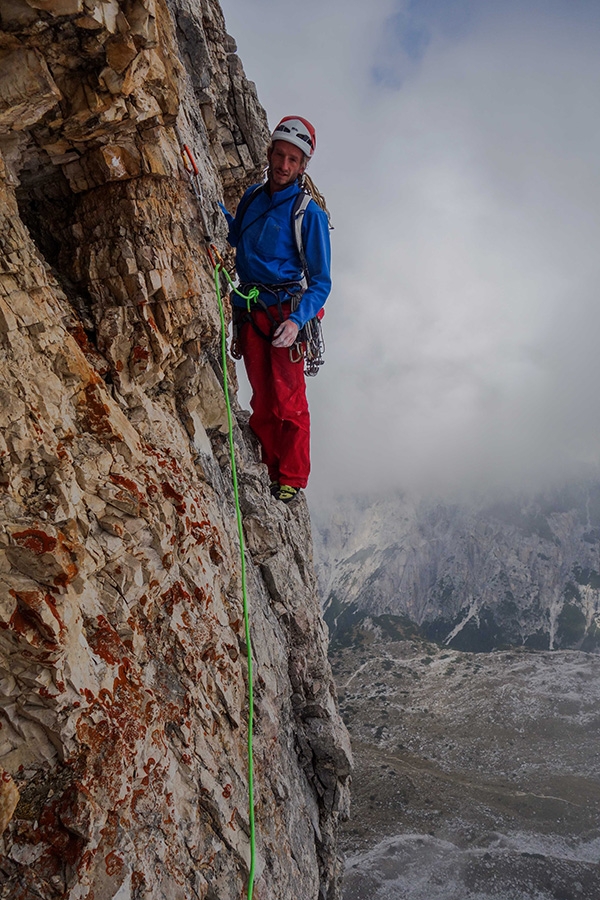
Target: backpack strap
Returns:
[300, 204]
[245, 203]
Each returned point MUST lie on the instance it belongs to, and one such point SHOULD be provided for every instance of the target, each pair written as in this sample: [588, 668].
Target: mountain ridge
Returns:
[522, 572]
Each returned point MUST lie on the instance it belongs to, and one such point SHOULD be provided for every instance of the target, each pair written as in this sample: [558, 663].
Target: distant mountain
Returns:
[516, 572]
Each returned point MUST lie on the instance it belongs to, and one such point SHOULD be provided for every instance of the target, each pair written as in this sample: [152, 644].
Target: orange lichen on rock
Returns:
[36, 612]
[105, 642]
[170, 493]
[96, 413]
[36, 540]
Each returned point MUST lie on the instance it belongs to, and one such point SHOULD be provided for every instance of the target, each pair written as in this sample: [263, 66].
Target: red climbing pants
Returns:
[280, 418]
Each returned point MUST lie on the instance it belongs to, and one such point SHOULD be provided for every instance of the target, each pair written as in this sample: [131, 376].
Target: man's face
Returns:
[286, 163]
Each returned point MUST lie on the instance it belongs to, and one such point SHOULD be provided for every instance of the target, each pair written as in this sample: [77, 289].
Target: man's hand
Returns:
[286, 334]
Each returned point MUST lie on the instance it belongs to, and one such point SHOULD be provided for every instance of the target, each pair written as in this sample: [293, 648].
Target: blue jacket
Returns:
[267, 252]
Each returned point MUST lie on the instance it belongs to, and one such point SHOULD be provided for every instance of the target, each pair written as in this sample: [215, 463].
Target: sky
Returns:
[458, 148]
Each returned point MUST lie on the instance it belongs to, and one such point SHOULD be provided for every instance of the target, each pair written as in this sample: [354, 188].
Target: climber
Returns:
[293, 282]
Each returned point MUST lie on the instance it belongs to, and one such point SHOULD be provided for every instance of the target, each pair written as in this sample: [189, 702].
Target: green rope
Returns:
[240, 528]
[250, 297]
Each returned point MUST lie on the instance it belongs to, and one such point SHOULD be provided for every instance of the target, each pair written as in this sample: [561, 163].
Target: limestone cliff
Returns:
[123, 664]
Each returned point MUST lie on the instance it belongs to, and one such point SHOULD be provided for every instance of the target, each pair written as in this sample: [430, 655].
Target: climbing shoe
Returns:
[286, 492]
[274, 488]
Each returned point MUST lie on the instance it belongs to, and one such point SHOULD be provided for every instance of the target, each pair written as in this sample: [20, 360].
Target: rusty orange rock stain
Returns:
[105, 642]
[27, 621]
[45, 693]
[65, 578]
[233, 815]
[199, 594]
[140, 353]
[211, 655]
[50, 602]
[136, 797]
[175, 594]
[137, 880]
[162, 457]
[170, 493]
[113, 863]
[86, 860]
[200, 531]
[215, 555]
[158, 739]
[81, 338]
[130, 486]
[133, 620]
[96, 413]
[63, 846]
[227, 790]
[106, 698]
[39, 542]
[36, 540]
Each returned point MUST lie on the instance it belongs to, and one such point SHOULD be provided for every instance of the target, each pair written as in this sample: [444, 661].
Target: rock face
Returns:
[474, 577]
[123, 660]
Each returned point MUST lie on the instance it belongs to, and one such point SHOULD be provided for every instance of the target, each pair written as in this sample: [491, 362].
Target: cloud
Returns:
[464, 188]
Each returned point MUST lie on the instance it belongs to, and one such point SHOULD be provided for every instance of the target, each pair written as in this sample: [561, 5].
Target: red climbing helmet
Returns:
[298, 131]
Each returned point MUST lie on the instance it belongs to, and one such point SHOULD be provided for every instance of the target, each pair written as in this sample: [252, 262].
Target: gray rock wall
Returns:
[123, 661]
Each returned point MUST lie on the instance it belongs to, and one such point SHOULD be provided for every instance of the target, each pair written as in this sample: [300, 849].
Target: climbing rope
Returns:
[217, 269]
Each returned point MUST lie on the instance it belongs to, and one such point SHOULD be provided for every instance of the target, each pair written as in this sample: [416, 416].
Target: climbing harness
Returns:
[218, 267]
[309, 344]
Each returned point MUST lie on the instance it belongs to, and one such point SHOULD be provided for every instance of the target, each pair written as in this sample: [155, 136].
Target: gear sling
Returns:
[309, 344]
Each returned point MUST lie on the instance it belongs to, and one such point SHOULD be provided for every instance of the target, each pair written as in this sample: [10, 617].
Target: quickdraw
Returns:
[189, 164]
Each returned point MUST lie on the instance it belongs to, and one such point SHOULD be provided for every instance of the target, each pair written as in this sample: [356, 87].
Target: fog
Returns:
[458, 147]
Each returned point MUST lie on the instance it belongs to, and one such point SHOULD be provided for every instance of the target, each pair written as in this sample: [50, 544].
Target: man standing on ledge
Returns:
[268, 257]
